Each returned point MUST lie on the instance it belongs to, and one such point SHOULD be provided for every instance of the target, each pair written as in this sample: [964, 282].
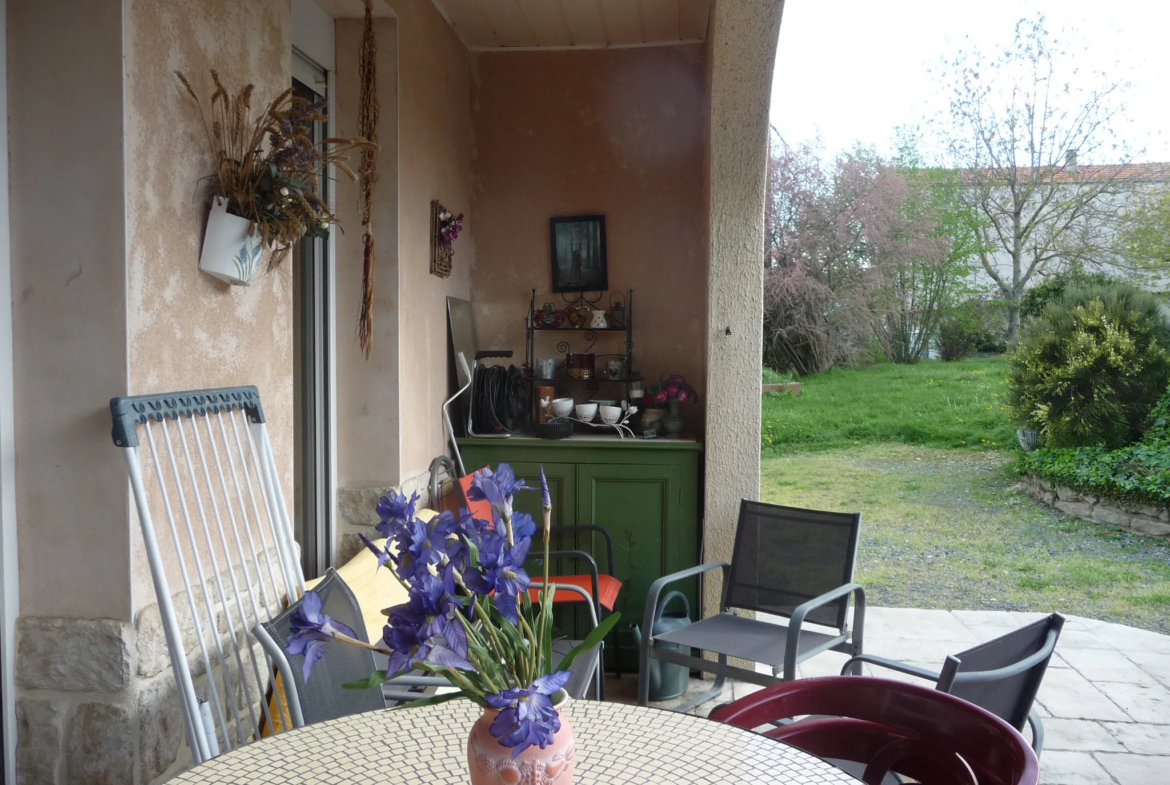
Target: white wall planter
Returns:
[230, 253]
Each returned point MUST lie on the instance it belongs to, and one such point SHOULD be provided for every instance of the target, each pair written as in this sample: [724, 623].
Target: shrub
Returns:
[1088, 370]
[1139, 473]
[975, 325]
[1050, 290]
[957, 335]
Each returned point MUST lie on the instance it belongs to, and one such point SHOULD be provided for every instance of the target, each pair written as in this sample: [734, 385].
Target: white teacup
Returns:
[561, 407]
[610, 414]
[586, 411]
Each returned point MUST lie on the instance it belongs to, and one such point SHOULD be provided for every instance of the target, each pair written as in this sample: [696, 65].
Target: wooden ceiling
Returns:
[575, 24]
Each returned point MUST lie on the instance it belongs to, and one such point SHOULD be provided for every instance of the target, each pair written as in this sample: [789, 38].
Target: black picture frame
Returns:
[578, 261]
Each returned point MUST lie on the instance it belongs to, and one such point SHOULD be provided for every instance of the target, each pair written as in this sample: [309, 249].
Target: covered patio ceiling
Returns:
[575, 24]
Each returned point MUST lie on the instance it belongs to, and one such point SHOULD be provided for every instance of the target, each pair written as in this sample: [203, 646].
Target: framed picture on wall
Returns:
[578, 254]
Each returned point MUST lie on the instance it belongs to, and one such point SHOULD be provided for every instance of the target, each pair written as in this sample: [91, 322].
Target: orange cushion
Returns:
[480, 509]
[607, 586]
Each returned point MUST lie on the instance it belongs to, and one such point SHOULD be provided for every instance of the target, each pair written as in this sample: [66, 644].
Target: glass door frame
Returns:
[314, 308]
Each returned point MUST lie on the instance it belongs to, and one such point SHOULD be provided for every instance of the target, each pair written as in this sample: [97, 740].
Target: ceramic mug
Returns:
[613, 369]
[561, 407]
[586, 412]
[610, 414]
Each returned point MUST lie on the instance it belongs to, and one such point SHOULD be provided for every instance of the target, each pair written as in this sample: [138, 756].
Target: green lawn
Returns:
[934, 403]
[945, 529]
[922, 452]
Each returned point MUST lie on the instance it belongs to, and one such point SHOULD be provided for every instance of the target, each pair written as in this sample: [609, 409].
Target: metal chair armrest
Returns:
[287, 682]
[656, 591]
[593, 574]
[802, 610]
[893, 665]
[593, 528]
[1037, 732]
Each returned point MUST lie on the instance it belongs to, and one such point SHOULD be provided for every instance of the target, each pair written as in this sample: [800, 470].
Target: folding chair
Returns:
[1002, 675]
[212, 475]
[786, 562]
[323, 697]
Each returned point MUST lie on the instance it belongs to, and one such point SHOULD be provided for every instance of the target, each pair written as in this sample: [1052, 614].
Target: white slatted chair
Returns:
[210, 476]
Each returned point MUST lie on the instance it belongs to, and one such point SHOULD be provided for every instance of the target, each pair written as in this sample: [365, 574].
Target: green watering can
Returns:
[667, 680]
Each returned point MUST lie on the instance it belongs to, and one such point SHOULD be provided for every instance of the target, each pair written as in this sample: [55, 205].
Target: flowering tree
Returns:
[1019, 121]
[857, 250]
[468, 616]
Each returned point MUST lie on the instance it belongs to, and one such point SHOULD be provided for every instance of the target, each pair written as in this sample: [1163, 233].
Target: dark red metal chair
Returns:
[885, 727]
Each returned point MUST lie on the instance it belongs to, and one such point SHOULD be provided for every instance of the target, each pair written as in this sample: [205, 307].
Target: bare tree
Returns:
[1022, 125]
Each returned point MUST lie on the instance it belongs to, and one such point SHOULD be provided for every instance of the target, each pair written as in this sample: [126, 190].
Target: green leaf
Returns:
[375, 679]
[431, 701]
[591, 640]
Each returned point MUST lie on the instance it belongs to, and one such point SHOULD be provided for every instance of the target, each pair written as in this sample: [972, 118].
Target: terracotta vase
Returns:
[492, 764]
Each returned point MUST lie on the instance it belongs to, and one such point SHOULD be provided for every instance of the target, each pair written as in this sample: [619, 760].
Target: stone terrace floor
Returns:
[1105, 699]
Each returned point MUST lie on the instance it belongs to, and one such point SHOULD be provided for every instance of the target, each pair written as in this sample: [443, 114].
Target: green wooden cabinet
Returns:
[646, 493]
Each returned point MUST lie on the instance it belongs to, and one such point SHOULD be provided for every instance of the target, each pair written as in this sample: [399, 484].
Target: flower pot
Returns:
[492, 763]
[652, 420]
[673, 423]
[230, 252]
[1029, 439]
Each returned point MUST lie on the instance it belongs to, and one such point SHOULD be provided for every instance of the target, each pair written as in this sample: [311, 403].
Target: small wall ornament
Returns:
[445, 228]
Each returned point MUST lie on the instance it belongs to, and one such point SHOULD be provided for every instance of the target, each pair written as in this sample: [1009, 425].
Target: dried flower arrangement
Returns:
[445, 228]
[267, 168]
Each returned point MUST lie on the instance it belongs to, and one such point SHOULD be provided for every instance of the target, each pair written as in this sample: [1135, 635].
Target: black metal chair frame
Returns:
[952, 676]
[849, 642]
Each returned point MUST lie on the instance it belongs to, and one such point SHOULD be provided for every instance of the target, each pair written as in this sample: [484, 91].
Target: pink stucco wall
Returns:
[618, 132]
[186, 330]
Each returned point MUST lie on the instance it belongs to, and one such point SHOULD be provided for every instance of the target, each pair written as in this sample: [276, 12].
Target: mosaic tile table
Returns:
[616, 745]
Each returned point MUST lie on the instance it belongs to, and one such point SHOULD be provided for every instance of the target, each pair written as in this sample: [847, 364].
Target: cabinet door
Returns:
[650, 511]
[562, 490]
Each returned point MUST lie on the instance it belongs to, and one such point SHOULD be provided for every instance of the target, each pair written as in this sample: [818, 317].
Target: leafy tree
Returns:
[1019, 121]
[1145, 236]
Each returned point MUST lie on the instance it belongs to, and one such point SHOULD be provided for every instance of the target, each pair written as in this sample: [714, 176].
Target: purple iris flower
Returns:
[383, 554]
[523, 526]
[430, 615]
[418, 548]
[496, 488]
[310, 629]
[545, 498]
[527, 716]
[500, 571]
[394, 510]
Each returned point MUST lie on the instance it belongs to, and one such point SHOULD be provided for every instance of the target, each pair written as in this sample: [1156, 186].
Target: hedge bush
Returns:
[1139, 473]
[975, 325]
[1088, 370]
[1052, 287]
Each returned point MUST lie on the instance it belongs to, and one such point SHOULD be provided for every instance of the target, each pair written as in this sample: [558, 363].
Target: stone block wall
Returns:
[97, 700]
[357, 511]
[1139, 518]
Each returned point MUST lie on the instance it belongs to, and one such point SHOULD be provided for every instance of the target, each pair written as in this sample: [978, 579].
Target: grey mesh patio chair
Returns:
[787, 562]
[322, 697]
[1001, 676]
[210, 478]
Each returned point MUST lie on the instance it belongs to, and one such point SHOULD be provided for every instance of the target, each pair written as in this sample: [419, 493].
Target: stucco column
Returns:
[743, 39]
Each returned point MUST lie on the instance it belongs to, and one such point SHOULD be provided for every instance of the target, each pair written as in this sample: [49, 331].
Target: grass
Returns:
[944, 528]
[934, 403]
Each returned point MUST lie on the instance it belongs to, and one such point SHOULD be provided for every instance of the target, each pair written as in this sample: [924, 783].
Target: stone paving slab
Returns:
[1105, 698]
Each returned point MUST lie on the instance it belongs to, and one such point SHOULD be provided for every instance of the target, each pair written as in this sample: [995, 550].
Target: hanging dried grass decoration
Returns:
[368, 173]
[267, 168]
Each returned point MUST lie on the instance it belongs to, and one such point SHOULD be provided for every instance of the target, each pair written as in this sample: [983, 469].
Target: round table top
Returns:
[616, 743]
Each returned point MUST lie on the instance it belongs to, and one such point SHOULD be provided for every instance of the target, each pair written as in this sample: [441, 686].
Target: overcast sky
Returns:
[853, 70]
